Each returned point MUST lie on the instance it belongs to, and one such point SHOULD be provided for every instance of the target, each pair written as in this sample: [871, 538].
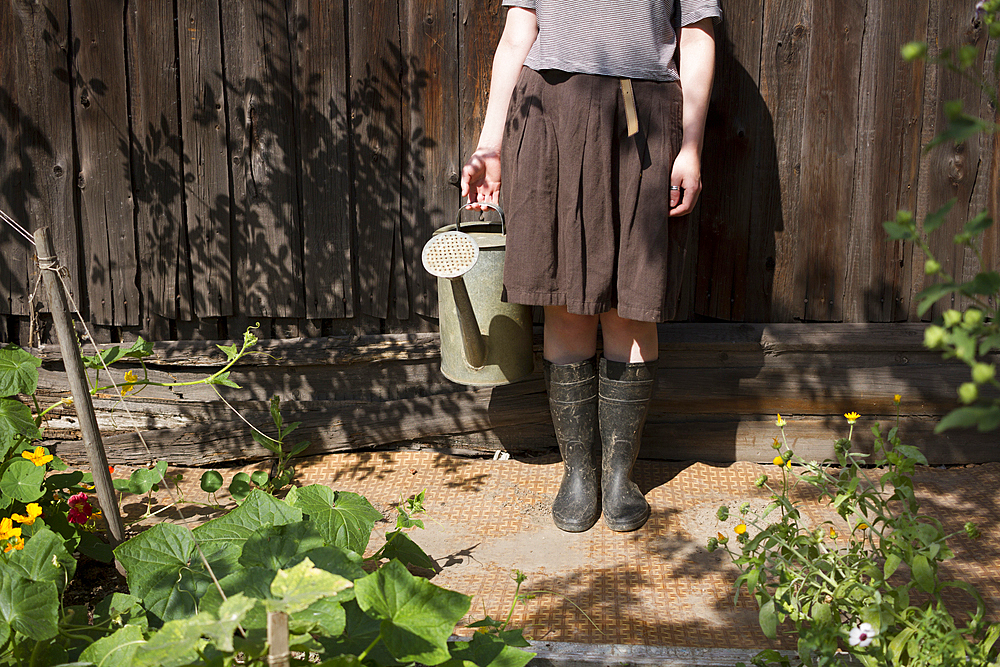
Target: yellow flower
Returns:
[740, 529]
[7, 529]
[34, 511]
[778, 461]
[851, 417]
[130, 379]
[38, 457]
[16, 543]
[896, 399]
[780, 422]
[861, 526]
[833, 533]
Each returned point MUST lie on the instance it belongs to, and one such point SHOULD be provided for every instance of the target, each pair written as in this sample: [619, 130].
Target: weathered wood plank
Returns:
[948, 171]
[787, 29]
[102, 132]
[430, 37]
[479, 27]
[204, 126]
[828, 150]
[267, 238]
[730, 153]
[324, 152]
[157, 177]
[37, 189]
[376, 68]
[877, 285]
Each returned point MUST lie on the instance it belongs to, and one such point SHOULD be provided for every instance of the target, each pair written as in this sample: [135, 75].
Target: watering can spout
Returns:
[451, 255]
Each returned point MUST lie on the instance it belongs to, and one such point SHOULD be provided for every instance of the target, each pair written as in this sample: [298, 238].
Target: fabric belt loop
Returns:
[631, 117]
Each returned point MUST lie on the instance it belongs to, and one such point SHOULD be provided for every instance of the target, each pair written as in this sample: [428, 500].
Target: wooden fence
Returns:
[208, 163]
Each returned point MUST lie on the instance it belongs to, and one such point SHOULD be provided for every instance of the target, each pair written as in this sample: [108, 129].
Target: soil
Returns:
[93, 582]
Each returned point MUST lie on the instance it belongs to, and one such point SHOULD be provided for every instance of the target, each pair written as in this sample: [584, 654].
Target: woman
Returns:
[599, 130]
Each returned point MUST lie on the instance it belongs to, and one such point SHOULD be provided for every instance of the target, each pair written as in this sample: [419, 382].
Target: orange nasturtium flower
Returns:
[7, 529]
[34, 511]
[851, 417]
[14, 543]
[38, 457]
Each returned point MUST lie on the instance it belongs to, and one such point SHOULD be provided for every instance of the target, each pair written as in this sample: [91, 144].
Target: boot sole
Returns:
[574, 526]
[627, 525]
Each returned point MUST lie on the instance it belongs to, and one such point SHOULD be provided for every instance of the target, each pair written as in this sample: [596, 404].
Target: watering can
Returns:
[484, 341]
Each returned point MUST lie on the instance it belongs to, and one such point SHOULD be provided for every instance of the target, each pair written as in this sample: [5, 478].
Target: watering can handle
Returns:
[503, 223]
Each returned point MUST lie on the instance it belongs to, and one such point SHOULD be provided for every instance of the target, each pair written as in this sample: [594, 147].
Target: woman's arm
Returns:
[697, 60]
[481, 174]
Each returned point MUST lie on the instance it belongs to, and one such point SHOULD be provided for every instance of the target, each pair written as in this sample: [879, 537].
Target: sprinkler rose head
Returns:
[450, 254]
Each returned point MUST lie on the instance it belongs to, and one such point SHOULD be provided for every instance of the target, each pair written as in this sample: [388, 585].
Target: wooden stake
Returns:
[278, 654]
[49, 264]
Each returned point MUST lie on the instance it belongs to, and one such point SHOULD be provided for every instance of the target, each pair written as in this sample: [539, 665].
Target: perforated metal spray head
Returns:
[450, 254]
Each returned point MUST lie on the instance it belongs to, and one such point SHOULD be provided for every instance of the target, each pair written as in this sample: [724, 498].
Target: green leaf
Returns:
[326, 616]
[94, 547]
[140, 348]
[960, 418]
[18, 371]
[984, 283]
[911, 452]
[938, 217]
[230, 351]
[267, 442]
[980, 223]
[15, 420]
[487, 651]
[164, 569]
[176, 643]
[961, 126]
[274, 547]
[120, 609]
[253, 582]
[768, 619]
[225, 536]
[223, 379]
[930, 295]
[29, 607]
[898, 644]
[239, 486]
[231, 613]
[398, 545]
[44, 558]
[417, 616]
[892, 563]
[345, 519]
[118, 650]
[22, 480]
[899, 231]
[211, 481]
[259, 477]
[923, 573]
[275, 407]
[298, 588]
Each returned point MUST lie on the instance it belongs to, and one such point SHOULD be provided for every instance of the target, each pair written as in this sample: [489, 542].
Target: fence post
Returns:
[48, 264]
[278, 654]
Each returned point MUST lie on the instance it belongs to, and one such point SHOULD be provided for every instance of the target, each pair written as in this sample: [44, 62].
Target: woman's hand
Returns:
[686, 174]
[481, 178]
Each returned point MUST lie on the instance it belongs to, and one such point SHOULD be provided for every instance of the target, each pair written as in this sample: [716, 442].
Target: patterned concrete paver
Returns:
[657, 586]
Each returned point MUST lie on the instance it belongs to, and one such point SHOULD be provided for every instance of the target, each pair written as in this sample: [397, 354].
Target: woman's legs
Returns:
[571, 382]
[625, 387]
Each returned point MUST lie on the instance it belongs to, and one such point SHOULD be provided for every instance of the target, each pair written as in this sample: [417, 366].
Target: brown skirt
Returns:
[586, 205]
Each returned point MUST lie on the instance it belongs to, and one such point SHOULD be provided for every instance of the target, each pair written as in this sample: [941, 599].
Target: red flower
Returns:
[79, 508]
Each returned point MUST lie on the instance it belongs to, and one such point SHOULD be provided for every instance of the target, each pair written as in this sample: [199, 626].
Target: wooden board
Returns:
[431, 172]
[158, 182]
[38, 155]
[204, 126]
[376, 71]
[324, 141]
[267, 239]
[719, 389]
[102, 133]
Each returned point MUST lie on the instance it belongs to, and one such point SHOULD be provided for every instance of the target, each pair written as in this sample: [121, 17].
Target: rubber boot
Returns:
[572, 392]
[625, 390]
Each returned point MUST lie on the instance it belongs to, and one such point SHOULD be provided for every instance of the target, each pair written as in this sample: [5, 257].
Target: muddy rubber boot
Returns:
[625, 390]
[572, 390]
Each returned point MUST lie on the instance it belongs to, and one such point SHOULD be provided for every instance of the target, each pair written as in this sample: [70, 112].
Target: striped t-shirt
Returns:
[632, 39]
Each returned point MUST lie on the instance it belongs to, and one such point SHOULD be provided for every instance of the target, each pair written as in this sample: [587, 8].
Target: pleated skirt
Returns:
[587, 206]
